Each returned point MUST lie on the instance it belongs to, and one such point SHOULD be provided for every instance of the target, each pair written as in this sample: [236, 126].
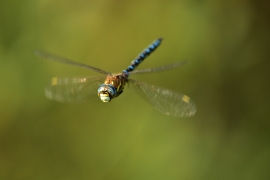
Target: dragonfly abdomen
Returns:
[151, 48]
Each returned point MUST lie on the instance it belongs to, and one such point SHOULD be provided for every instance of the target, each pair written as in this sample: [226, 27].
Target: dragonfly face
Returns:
[106, 92]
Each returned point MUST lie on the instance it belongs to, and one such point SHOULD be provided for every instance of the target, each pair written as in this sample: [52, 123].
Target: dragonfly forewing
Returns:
[161, 68]
[53, 57]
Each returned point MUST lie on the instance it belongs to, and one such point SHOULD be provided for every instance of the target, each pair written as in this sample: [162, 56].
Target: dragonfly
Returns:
[111, 85]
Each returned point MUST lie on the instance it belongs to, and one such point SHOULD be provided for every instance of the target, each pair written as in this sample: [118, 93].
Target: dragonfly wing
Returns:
[158, 69]
[167, 101]
[49, 56]
[74, 89]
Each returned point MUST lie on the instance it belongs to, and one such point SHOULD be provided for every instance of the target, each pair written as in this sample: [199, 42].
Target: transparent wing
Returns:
[74, 89]
[161, 68]
[49, 56]
[167, 101]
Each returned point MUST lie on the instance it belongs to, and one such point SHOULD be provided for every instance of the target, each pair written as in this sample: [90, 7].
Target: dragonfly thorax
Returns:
[113, 86]
[106, 92]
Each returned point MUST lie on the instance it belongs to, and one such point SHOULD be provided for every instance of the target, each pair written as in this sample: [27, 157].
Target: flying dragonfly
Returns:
[111, 85]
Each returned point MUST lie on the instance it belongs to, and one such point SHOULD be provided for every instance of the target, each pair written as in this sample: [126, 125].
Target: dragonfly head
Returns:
[106, 92]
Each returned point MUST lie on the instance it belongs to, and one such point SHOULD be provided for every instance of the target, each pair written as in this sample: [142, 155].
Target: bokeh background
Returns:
[227, 45]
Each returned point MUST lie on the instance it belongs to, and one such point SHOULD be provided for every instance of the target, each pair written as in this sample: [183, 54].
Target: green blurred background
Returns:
[227, 45]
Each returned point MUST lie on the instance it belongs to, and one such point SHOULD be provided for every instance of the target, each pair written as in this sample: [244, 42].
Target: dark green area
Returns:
[227, 45]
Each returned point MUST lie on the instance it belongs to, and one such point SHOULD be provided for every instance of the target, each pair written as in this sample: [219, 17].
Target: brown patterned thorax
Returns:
[118, 81]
